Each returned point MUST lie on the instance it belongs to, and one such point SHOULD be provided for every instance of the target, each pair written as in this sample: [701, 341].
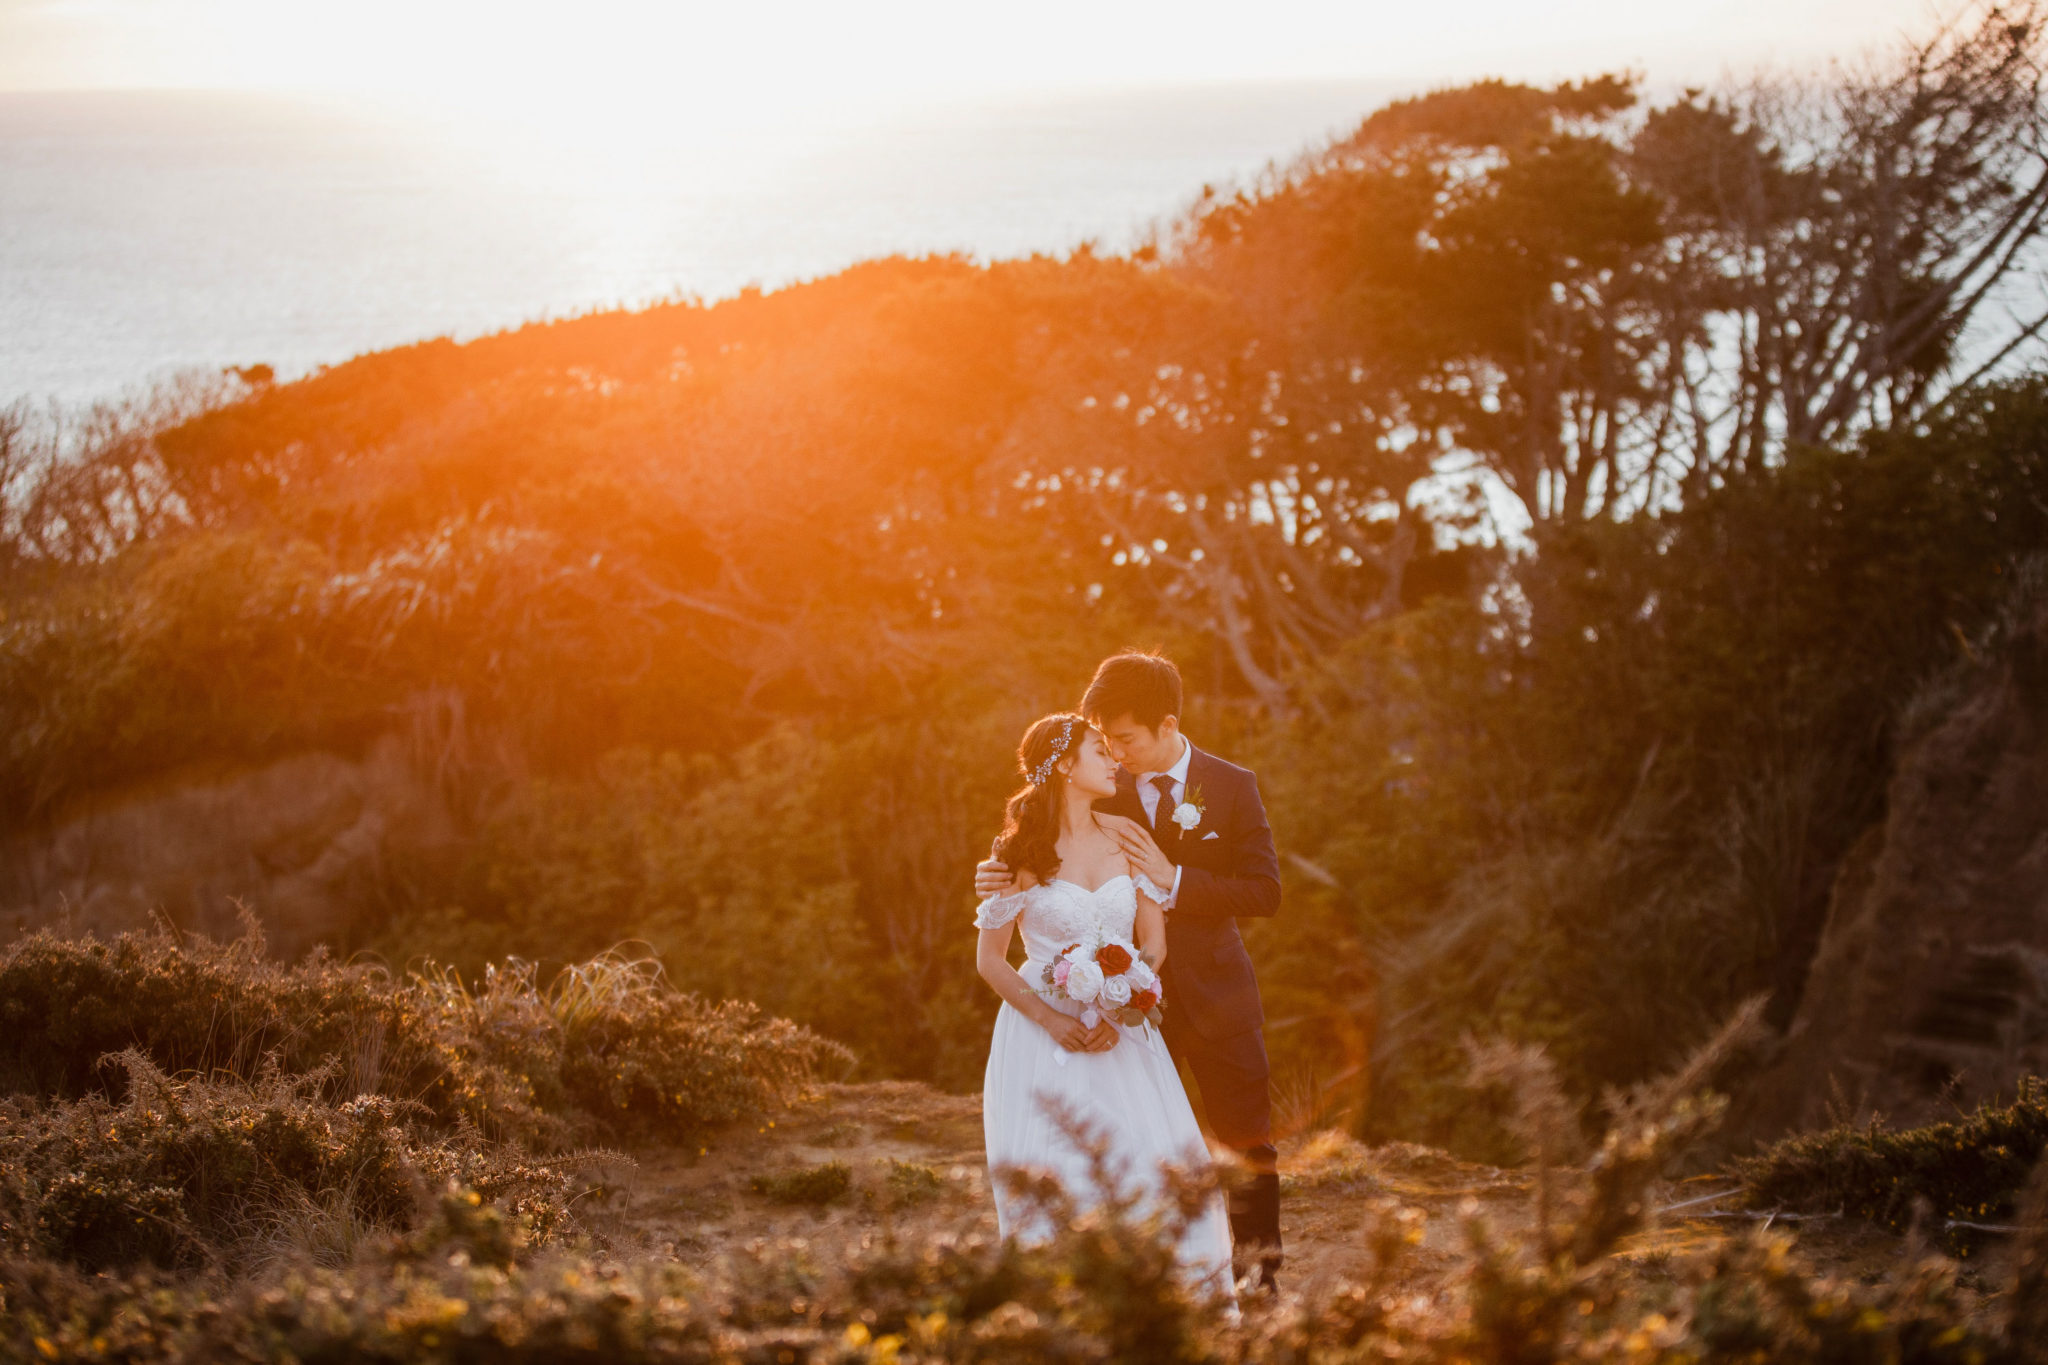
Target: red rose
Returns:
[1144, 1000]
[1113, 960]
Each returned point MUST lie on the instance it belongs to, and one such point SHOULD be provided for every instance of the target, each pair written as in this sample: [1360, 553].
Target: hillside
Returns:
[710, 628]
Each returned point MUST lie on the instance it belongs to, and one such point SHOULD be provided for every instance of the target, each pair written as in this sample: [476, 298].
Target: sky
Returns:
[607, 60]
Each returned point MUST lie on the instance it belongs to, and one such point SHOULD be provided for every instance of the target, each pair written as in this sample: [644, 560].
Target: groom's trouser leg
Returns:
[1234, 1079]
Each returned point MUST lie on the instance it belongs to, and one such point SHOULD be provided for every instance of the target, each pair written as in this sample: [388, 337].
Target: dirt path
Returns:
[912, 1159]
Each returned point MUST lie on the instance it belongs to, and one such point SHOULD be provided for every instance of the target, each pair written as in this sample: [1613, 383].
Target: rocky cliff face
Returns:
[305, 842]
[1930, 986]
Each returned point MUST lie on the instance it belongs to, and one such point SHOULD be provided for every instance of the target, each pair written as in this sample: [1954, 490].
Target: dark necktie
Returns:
[1162, 814]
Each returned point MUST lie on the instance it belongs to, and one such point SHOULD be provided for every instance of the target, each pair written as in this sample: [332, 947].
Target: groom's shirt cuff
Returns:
[1173, 892]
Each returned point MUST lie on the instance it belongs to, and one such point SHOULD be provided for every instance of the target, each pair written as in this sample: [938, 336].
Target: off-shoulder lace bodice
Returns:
[1057, 913]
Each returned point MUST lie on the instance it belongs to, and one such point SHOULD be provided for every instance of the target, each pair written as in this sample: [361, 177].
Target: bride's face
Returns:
[1091, 770]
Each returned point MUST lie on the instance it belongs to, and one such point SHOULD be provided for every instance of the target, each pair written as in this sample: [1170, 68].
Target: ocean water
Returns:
[146, 233]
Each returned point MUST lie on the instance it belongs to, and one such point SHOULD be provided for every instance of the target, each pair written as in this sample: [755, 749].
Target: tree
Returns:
[1831, 247]
[1610, 309]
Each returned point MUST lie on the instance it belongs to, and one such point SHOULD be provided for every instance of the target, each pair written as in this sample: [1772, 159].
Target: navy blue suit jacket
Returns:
[1229, 871]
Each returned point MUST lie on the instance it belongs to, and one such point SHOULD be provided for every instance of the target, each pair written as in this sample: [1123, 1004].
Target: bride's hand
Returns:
[1075, 1036]
[1069, 1032]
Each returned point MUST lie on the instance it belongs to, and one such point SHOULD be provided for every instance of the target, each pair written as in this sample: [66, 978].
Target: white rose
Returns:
[1187, 815]
[1116, 992]
[1141, 975]
[1084, 982]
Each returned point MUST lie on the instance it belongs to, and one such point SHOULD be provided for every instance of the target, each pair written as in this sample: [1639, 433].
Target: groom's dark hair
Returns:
[1141, 684]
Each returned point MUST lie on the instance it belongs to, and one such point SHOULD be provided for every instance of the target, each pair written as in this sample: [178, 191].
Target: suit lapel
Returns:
[1198, 762]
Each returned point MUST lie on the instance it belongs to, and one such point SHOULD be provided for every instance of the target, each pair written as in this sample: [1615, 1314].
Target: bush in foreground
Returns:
[196, 1106]
[1104, 1289]
[261, 1179]
[197, 1174]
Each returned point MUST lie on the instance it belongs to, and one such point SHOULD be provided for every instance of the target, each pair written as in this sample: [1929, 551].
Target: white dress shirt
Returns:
[1149, 795]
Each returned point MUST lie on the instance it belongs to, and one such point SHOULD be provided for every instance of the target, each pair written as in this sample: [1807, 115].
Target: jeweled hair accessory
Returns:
[1059, 747]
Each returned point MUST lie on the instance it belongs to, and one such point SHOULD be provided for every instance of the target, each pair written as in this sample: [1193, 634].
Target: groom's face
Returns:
[1139, 749]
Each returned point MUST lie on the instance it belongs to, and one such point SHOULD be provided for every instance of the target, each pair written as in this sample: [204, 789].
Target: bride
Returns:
[1072, 878]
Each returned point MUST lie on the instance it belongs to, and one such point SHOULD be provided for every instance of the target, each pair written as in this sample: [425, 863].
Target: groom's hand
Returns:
[1139, 846]
[992, 878]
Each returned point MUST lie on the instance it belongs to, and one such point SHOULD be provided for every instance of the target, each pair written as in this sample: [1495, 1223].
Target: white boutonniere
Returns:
[1189, 813]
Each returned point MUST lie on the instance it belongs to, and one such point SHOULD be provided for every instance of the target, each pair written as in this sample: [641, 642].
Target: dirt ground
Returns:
[914, 1156]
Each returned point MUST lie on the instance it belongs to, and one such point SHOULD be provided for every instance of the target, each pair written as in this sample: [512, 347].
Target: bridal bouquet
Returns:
[1106, 977]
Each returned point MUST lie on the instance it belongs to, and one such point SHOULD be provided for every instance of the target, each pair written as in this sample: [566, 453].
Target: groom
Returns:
[1195, 825]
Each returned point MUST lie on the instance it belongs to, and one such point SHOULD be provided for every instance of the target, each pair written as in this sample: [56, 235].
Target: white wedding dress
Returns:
[1131, 1094]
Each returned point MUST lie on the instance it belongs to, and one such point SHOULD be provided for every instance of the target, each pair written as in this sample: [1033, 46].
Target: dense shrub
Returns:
[1971, 1169]
[198, 1006]
[610, 1049]
[188, 1172]
[313, 1107]
[607, 1051]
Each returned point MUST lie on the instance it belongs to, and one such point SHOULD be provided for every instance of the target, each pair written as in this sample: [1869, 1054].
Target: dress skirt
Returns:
[1129, 1097]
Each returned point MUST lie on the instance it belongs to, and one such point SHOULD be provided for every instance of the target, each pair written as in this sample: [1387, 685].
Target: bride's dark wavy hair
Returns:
[1031, 819]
